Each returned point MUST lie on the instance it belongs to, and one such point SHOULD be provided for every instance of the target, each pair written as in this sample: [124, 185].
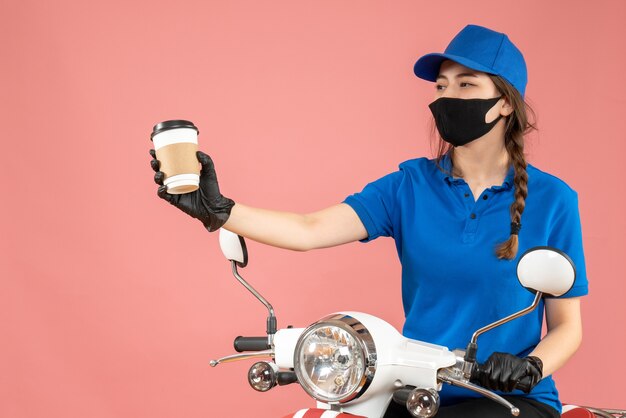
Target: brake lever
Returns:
[244, 356]
[448, 376]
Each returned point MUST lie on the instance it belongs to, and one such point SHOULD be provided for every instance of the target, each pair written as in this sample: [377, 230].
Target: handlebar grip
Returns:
[524, 384]
[479, 373]
[250, 344]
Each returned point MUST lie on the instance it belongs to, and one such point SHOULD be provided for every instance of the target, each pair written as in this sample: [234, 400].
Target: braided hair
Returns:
[517, 125]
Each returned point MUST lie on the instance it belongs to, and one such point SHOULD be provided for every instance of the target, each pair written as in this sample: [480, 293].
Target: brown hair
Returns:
[517, 125]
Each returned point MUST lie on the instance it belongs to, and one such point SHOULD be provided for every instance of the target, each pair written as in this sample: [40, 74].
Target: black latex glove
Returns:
[205, 204]
[503, 372]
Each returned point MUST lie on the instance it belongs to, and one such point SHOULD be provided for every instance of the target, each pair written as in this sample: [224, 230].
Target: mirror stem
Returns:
[508, 318]
[271, 319]
[472, 347]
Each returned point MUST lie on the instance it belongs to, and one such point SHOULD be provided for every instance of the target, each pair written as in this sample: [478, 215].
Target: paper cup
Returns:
[175, 144]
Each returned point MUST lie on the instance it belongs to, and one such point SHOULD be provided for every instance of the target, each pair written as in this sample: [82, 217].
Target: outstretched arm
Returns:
[335, 225]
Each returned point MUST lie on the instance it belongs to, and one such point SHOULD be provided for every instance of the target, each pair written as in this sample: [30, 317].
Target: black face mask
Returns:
[460, 121]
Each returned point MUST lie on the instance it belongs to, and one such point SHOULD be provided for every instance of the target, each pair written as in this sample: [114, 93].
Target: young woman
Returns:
[457, 223]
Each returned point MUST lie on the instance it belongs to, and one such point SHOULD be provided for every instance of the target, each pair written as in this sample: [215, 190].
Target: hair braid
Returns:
[515, 148]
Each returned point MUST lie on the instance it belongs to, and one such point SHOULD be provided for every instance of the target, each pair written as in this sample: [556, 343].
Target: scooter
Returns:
[354, 364]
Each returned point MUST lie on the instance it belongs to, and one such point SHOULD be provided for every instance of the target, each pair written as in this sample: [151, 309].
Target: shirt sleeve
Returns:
[376, 205]
[566, 235]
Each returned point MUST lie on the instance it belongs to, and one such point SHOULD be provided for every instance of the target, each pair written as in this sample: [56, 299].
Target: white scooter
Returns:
[354, 364]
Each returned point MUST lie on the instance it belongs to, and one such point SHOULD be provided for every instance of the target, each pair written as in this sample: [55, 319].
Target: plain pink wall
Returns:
[112, 302]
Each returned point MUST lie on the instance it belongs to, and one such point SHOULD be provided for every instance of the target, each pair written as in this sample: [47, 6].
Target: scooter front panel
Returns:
[284, 346]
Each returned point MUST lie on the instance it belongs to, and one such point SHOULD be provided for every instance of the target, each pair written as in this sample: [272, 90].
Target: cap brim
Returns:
[427, 67]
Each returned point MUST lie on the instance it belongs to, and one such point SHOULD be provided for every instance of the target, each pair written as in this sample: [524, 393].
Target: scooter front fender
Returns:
[321, 413]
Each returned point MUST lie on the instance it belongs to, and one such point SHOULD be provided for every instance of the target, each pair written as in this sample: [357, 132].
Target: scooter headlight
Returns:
[335, 359]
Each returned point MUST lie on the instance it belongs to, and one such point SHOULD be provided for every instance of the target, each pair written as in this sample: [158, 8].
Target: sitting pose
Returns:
[460, 222]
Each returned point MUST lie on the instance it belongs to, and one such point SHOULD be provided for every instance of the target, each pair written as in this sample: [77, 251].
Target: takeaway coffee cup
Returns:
[175, 144]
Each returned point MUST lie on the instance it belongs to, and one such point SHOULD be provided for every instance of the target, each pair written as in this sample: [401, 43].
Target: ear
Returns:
[506, 108]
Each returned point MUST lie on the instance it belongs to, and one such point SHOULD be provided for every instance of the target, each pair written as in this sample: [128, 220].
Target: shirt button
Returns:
[473, 216]
[485, 197]
[466, 194]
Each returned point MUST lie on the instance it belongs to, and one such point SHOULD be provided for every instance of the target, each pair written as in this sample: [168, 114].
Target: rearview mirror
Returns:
[547, 270]
[234, 247]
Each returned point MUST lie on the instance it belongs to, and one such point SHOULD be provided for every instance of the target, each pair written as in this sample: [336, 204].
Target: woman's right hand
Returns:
[205, 204]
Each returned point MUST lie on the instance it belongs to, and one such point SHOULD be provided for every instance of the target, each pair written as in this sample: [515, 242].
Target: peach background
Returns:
[112, 302]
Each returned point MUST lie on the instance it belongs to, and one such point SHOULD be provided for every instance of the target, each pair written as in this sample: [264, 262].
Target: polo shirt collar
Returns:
[446, 164]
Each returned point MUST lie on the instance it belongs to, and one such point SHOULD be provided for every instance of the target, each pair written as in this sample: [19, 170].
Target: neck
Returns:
[483, 160]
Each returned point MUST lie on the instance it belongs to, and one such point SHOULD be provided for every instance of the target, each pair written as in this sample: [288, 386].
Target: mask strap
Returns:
[493, 122]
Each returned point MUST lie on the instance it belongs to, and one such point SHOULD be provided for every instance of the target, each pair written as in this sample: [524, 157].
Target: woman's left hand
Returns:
[503, 372]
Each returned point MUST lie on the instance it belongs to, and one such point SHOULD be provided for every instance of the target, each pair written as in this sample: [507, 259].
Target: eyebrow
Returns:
[459, 75]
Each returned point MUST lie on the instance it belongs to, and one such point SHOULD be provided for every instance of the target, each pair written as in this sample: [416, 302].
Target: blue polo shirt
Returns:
[452, 281]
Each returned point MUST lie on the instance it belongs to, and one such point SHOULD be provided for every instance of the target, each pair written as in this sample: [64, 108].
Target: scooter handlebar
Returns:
[523, 384]
[251, 344]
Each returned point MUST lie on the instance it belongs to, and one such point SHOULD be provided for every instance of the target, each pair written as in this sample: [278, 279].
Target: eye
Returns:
[469, 84]
[439, 87]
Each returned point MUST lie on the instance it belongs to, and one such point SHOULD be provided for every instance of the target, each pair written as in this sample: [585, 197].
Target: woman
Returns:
[457, 224]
